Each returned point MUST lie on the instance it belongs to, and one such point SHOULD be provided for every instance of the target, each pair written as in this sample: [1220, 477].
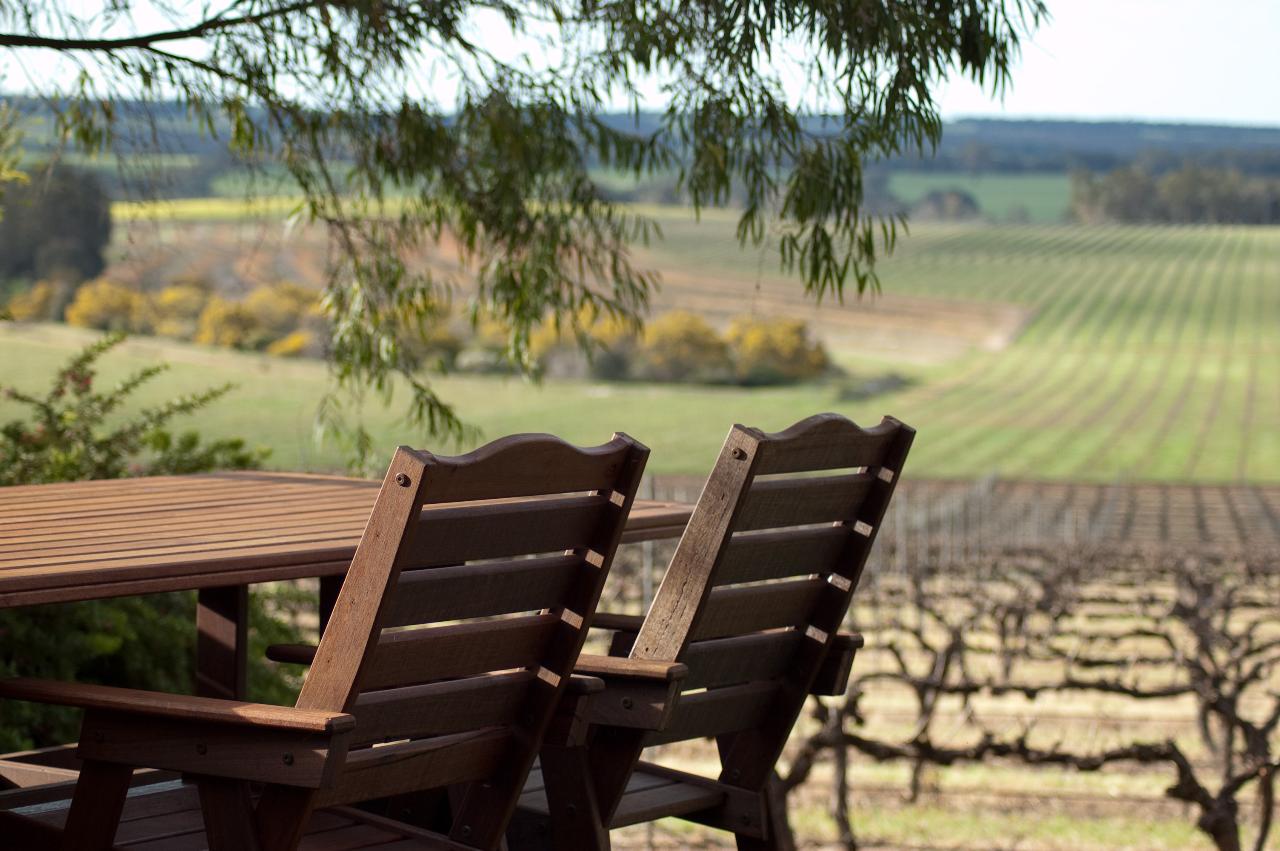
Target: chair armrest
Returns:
[846, 641]
[638, 693]
[581, 685]
[832, 678]
[622, 668]
[176, 706]
[624, 623]
[292, 654]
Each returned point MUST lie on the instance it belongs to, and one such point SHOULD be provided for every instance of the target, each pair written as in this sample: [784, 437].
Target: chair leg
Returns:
[281, 817]
[576, 820]
[96, 806]
[228, 814]
[779, 828]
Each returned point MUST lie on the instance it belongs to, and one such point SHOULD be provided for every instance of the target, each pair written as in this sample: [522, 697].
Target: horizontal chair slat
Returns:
[792, 502]
[526, 465]
[447, 536]
[740, 659]
[436, 709]
[458, 650]
[716, 713]
[776, 554]
[380, 772]
[826, 444]
[751, 608]
[477, 590]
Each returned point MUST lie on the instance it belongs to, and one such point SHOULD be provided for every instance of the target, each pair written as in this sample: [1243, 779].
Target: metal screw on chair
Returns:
[402, 479]
[464, 831]
[288, 759]
[739, 453]
[627, 703]
[735, 774]
[202, 748]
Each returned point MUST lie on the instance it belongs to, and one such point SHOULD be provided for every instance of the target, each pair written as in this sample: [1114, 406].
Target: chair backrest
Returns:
[763, 576]
[463, 614]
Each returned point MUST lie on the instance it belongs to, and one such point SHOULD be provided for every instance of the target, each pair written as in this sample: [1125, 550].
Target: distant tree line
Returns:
[55, 224]
[1192, 194]
[997, 146]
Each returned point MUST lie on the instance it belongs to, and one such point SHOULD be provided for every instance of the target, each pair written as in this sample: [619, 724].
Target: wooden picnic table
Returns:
[216, 534]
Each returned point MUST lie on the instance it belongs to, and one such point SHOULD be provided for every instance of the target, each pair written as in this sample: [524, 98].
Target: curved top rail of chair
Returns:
[518, 465]
[827, 424]
[824, 442]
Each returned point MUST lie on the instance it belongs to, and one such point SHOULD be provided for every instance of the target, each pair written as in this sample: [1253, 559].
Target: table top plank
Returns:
[87, 540]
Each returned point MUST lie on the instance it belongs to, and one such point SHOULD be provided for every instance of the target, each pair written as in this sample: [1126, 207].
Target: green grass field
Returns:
[1149, 354]
[1042, 198]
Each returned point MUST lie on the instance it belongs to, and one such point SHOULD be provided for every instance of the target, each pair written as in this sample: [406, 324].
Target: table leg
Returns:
[330, 587]
[222, 641]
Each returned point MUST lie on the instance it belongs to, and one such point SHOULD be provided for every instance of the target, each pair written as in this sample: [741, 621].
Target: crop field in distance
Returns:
[1069, 384]
[1059, 352]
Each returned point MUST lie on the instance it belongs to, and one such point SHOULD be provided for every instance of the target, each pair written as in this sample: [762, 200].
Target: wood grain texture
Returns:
[789, 502]
[384, 710]
[158, 534]
[178, 706]
[293, 758]
[780, 553]
[750, 608]
[478, 590]
[754, 614]
[683, 593]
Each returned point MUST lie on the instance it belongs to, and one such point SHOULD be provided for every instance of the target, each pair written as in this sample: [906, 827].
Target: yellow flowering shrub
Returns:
[279, 309]
[36, 304]
[108, 306]
[294, 345]
[682, 346]
[228, 324]
[176, 310]
[774, 351]
[612, 343]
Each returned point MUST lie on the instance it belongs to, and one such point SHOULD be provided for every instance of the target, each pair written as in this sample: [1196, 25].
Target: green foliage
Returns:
[54, 225]
[137, 642]
[77, 433]
[1189, 195]
[501, 166]
[10, 150]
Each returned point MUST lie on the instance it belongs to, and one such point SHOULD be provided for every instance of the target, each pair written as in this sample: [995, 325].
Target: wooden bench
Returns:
[743, 628]
[449, 648]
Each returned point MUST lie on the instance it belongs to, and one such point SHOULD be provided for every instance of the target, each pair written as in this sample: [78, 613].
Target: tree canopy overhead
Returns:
[480, 120]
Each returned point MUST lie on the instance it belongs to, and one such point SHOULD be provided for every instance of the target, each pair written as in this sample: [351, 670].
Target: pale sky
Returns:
[1196, 61]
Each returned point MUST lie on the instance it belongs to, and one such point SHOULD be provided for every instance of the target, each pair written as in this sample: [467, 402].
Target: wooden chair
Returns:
[426, 676]
[744, 627]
